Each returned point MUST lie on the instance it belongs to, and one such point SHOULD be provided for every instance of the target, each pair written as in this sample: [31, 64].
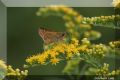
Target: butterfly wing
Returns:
[51, 36]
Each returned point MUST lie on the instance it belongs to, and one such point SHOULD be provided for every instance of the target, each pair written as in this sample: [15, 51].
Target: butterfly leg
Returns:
[45, 47]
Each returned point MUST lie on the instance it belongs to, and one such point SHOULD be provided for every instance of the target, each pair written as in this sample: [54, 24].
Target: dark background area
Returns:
[23, 39]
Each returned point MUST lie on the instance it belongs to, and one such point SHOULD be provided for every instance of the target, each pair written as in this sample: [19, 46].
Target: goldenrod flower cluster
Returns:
[61, 49]
[106, 72]
[54, 54]
[61, 10]
[85, 41]
[3, 69]
[100, 20]
[67, 51]
[116, 3]
[2, 65]
[68, 14]
[9, 71]
[99, 50]
[17, 73]
[92, 35]
[115, 44]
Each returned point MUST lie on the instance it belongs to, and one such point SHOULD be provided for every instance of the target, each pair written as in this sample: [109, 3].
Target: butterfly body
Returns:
[50, 36]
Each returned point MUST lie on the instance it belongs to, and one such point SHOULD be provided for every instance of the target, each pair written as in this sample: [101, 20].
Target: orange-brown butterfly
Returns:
[50, 36]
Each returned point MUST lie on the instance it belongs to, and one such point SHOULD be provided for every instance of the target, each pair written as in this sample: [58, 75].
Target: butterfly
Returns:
[50, 36]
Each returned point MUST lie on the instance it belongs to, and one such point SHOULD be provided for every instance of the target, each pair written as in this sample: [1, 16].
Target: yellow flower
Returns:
[29, 60]
[10, 69]
[54, 7]
[105, 71]
[69, 55]
[71, 12]
[68, 11]
[2, 64]
[3, 69]
[42, 58]
[82, 48]
[70, 48]
[116, 3]
[70, 24]
[53, 54]
[85, 26]
[78, 19]
[113, 72]
[66, 17]
[75, 41]
[25, 73]
[20, 75]
[60, 49]
[32, 59]
[70, 30]
[114, 44]
[55, 61]
[85, 41]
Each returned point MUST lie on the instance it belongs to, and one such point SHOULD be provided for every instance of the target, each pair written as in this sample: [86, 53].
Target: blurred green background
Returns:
[23, 39]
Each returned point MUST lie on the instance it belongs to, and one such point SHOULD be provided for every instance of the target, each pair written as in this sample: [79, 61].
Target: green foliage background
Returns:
[23, 38]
